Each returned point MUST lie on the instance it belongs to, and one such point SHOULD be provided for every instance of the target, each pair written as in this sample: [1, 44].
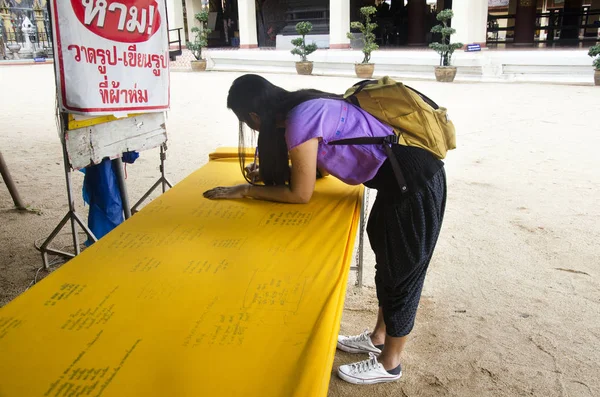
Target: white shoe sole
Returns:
[358, 381]
[349, 349]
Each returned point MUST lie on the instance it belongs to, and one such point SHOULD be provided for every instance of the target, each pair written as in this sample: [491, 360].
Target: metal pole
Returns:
[163, 156]
[359, 275]
[12, 188]
[162, 181]
[70, 198]
[71, 215]
[44, 247]
[117, 165]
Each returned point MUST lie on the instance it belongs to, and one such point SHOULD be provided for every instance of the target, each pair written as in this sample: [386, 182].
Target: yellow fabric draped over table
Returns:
[191, 297]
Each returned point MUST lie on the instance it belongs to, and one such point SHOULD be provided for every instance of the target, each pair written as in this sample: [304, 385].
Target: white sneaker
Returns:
[357, 344]
[367, 372]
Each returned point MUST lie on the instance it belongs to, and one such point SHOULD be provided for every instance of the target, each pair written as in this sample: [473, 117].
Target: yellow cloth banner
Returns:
[191, 297]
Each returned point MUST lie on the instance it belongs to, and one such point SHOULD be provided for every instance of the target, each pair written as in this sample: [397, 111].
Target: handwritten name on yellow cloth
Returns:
[191, 297]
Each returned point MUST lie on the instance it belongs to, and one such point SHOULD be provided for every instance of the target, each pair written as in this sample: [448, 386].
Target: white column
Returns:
[339, 23]
[175, 19]
[470, 21]
[175, 14]
[192, 7]
[544, 21]
[247, 23]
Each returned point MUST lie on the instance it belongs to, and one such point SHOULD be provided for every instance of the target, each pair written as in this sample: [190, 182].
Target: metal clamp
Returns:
[390, 139]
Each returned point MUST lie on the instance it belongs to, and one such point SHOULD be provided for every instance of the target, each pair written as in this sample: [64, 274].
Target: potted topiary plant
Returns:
[304, 66]
[200, 41]
[595, 54]
[365, 69]
[445, 72]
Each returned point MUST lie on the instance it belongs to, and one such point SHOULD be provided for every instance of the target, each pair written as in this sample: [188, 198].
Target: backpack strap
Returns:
[425, 98]
[386, 142]
[362, 84]
[396, 167]
[359, 87]
[362, 141]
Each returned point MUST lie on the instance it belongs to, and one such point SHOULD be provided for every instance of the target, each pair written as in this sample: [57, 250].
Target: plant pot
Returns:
[14, 47]
[199, 66]
[14, 50]
[304, 68]
[445, 74]
[597, 77]
[364, 70]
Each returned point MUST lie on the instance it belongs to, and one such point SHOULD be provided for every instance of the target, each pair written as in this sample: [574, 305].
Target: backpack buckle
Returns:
[391, 139]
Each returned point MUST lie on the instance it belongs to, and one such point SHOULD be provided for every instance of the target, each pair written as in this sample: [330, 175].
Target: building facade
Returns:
[270, 23]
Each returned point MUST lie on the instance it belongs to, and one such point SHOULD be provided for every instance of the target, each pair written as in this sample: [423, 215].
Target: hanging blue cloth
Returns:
[130, 157]
[101, 192]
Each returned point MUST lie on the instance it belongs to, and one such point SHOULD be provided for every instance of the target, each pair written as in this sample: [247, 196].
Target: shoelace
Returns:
[360, 338]
[366, 365]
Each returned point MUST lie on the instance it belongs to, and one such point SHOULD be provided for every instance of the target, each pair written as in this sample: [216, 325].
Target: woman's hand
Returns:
[252, 173]
[228, 192]
[298, 191]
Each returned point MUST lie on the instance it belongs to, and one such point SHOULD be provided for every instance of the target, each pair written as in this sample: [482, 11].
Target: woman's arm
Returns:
[300, 189]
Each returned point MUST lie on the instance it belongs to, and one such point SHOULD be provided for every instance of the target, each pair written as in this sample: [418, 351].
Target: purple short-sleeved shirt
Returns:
[331, 120]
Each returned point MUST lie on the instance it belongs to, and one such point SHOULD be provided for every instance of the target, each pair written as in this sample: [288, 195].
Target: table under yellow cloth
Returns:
[191, 297]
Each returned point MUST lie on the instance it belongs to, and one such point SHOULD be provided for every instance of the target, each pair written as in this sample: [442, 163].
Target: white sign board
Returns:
[90, 145]
[112, 56]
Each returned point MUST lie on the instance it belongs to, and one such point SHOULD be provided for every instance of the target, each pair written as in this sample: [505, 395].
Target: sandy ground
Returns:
[511, 305]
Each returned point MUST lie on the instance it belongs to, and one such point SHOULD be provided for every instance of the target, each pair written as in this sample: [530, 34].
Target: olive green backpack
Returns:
[416, 119]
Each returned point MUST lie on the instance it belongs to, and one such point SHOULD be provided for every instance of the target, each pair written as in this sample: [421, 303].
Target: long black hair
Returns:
[254, 94]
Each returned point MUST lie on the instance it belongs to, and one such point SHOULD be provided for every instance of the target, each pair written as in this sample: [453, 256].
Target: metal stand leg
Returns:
[117, 165]
[361, 237]
[161, 181]
[361, 240]
[72, 216]
[12, 189]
